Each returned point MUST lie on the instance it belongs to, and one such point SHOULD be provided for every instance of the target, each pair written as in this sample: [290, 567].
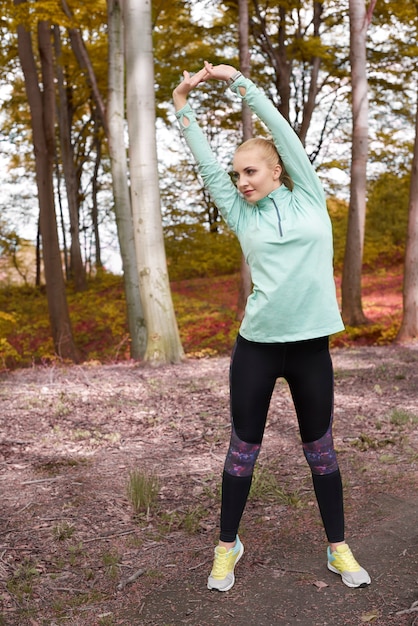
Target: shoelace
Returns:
[220, 565]
[348, 560]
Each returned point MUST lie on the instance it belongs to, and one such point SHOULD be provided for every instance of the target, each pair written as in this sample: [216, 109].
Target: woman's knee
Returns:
[241, 456]
[320, 454]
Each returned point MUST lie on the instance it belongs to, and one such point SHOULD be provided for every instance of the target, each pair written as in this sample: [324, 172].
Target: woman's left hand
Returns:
[220, 72]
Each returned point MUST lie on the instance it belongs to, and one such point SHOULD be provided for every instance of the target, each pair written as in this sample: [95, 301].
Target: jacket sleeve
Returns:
[215, 178]
[288, 144]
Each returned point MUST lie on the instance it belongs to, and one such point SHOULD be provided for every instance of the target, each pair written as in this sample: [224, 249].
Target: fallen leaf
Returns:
[320, 584]
[369, 617]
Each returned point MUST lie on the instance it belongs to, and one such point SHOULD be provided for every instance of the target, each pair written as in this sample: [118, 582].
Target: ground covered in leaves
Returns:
[73, 550]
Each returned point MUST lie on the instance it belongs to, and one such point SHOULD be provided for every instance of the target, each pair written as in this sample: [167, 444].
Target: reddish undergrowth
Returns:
[213, 324]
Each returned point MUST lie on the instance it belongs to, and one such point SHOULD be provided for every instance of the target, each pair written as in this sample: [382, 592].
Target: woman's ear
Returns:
[277, 171]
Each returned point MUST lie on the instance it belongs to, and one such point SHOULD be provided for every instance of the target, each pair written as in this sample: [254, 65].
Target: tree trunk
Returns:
[84, 62]
[245, 285]
[409, 325]
[310, 101]
[94, 189]
[77, 271]
[121, 193]
[352, 310]
[278, 55]
[42, 108]
[283, 67]
[61, 220]
[163, 340]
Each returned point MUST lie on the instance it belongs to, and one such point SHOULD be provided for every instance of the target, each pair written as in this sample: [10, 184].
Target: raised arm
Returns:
[288, 144]
[215, 178]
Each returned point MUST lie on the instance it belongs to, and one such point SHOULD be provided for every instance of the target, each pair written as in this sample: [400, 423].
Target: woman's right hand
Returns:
[188, 83]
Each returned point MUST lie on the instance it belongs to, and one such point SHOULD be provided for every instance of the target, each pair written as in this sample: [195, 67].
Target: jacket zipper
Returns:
[279, 219]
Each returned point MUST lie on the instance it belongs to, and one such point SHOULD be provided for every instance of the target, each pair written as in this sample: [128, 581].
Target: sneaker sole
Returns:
[346, 582]
[241, 552]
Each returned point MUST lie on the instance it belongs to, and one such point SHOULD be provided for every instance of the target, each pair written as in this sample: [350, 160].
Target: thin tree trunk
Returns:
[163, 340]
[310, 102]
[284, 67]
[77, 271]
[121, 193]
[409, 325]
[278, 56]
[352, 310]
[61, 220]
[84, 62]
[95, 208]
[38, 255]
[245, 284]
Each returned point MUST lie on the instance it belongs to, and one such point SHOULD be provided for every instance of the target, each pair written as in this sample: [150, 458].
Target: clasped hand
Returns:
[189, 82]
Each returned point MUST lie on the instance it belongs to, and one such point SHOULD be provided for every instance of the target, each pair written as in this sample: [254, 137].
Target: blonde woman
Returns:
[277, 210]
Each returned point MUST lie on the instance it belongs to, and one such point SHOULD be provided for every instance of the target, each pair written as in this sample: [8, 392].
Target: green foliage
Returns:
[207, 317]
[98, 317]
[189, 520]
[402, 417]
[21, 582]
[382, 333]
[7, 351]
[386, 221]
[387, 218]
[24, 326]
[265, 487]
[205, 310]
[111, 562]
[193, 252]
[338, 211]
[63, 531]
[143, 489]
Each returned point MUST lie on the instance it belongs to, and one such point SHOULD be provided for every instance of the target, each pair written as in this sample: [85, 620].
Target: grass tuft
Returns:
[143, 489]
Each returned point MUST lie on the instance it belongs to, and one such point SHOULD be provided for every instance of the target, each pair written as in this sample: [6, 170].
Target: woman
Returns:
[277, 210]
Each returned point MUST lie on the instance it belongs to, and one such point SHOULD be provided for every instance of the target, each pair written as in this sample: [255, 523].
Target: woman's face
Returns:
[254, 176]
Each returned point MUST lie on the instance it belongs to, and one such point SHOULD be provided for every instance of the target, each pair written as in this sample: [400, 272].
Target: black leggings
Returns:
[307, 368]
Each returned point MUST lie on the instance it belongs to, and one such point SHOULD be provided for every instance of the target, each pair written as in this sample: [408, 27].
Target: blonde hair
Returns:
[271, 155]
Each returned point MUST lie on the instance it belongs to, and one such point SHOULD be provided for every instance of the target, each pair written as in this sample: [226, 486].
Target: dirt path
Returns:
[71, 551]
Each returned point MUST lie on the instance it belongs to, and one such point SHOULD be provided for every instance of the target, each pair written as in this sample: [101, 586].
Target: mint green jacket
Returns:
[286, 238]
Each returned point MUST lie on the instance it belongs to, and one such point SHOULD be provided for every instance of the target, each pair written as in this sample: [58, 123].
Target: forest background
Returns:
[299, 54]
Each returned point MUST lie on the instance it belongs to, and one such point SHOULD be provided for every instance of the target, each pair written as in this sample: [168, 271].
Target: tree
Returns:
[352, 311]
[163, 341]
[294, 41]
[119, 166]
[42, 107]
[395, 81]
[76, 270]
[98, 124]
[409, 325]
[247, 132]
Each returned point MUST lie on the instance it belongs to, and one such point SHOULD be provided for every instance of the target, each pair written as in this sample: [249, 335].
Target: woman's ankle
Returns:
[334, 546]
[227, 544]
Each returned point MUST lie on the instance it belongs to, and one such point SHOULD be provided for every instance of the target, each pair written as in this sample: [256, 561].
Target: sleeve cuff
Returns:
[239, 81]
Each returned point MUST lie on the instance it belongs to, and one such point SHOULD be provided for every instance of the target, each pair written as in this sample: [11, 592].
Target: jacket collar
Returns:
[272, 197]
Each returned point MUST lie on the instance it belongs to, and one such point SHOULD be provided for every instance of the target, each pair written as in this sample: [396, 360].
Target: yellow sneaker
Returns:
[342, 562]
[222, 575]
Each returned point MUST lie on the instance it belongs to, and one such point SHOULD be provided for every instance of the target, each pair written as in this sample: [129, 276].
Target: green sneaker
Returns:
[222, 575]
[342, 562]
